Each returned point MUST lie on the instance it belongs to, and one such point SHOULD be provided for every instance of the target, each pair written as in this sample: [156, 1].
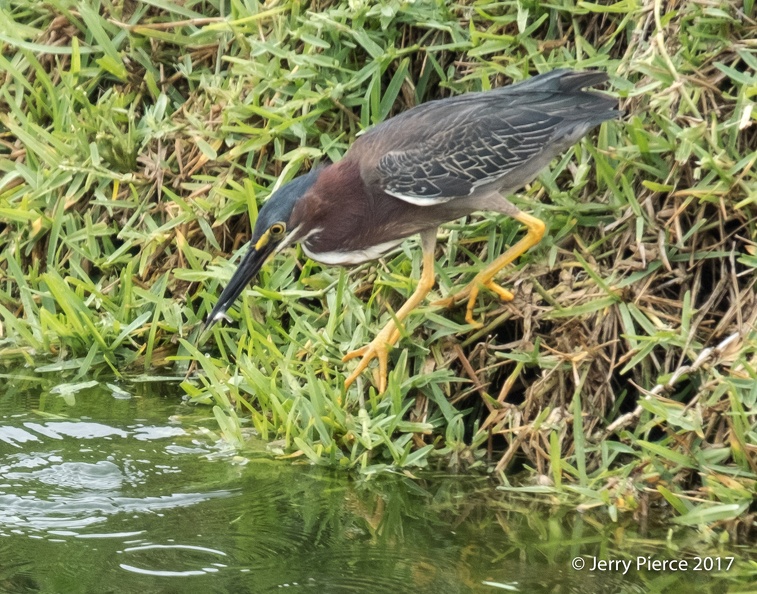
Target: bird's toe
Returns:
[377, 349]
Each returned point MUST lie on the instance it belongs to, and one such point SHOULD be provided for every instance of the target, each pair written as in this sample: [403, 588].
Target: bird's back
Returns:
[499, 139]
[559, 92]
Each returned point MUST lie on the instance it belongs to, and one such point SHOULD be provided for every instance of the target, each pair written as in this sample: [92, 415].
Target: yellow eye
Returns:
[277, 229]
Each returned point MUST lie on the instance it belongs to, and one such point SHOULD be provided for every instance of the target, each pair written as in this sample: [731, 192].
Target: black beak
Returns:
[250, 266]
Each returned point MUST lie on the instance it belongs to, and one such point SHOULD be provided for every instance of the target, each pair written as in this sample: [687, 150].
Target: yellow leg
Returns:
[378, 348]
[534, 232]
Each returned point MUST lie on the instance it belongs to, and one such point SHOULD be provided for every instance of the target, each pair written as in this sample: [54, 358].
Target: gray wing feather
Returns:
[446, 149]
[457, 159]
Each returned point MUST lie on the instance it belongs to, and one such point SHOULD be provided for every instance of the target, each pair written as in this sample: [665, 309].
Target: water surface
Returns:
[123, 487]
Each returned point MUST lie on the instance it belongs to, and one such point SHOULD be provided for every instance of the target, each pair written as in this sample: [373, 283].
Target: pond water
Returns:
[123, 487]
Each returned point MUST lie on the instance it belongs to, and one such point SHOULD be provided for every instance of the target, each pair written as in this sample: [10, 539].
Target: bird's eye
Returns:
[277, 229]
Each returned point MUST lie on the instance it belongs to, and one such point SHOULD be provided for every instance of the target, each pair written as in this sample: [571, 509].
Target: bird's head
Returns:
[272, 233]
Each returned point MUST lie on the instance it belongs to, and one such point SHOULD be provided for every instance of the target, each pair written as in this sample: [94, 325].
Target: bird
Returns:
[434, 163]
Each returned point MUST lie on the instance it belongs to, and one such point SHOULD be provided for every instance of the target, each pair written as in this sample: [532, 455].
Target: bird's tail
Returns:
[562, 91]
[561, 80]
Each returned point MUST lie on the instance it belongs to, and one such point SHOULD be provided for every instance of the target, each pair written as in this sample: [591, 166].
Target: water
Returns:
[124, 488]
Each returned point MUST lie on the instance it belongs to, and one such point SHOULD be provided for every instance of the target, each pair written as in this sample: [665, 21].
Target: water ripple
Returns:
[64, 515]
[174, 560]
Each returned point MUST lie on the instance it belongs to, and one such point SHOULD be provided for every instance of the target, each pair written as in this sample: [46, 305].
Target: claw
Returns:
[451, 301]
[469, 308]
[471, 293]
[376, 349]
[503, 293]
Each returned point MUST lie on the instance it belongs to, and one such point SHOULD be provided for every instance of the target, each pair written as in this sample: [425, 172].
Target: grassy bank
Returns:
[138, 140]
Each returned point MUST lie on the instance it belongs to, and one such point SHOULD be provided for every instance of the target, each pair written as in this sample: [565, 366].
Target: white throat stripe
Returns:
[352, 257]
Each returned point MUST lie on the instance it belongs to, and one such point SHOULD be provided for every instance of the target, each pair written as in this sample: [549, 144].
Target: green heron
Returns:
[429, 165]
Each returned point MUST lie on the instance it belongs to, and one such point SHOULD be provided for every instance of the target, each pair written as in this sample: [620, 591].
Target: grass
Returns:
[137, 141]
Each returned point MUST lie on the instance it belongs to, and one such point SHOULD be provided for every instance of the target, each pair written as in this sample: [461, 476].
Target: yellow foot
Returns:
[471, 293]
[376, 349]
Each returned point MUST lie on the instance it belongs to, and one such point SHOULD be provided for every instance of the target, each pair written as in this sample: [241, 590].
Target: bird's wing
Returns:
[464, 152]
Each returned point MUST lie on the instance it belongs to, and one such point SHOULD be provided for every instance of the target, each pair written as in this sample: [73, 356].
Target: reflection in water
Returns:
[107, 494]
[34, 432]
[174, 561]
[72, 475]
[66, 514]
